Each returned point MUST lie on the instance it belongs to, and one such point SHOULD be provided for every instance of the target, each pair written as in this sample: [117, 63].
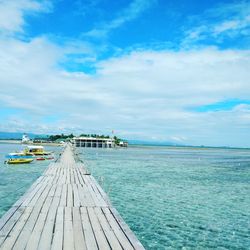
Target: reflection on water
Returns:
[178, 197]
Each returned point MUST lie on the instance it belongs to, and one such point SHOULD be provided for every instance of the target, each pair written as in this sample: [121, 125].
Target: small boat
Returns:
[36, 150]
[41, 159]
[19, 160]
[49, 158]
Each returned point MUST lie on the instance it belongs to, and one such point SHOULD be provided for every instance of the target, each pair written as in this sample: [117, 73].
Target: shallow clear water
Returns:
[178, 198]
[16, 179]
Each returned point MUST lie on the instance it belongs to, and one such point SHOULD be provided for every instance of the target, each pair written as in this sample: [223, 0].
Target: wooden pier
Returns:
[65, 209]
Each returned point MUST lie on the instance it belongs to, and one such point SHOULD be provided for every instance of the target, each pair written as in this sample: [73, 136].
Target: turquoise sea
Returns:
[16, 179]
[178, 198]
[172, 198]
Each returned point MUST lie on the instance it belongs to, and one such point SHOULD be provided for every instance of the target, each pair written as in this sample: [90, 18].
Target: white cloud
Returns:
[12, 13]
[224, 21]
[128, 14]
[144, 94]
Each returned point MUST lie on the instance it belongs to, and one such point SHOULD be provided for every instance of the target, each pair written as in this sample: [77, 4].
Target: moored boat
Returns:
[36, 150]
[50, 158]
[19, 160]
[41, 159]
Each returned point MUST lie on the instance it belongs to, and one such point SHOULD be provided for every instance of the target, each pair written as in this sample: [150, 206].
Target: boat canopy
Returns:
[35, 147]
[17, 153]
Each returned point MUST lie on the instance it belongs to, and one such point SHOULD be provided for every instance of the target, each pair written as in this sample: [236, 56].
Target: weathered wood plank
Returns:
[10, 224]
[90, 238]
[98, 231]
[63, 200]
[79, 240]
[124, 241]
[113, 242]
[77, 202]
[11, 239]
[47, 233]
[36, 233]
[132, 238]
[85, 197]
[69, 196]
[57, 241]
[99, 200]
[27, 230]
[68, 236]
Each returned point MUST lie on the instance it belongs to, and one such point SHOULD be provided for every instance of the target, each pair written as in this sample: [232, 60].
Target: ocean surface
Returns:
[16, 179]
[172, 198]
[178, 198]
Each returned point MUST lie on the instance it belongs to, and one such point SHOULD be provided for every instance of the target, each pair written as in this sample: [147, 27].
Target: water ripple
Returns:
[175, 198]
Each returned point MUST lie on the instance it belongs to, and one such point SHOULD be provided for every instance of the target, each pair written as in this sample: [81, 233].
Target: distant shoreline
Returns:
[10, 141]
[54, 144]
[15, 141]
[185, 146]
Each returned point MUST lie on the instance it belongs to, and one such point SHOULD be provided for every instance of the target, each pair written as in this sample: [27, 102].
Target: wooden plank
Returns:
[98, 231]
[19, 202]
[124, 241]
[88, 196]
[63, 200]
[47, 233]
[6, 217]
[76, 176]
[57, 176]
[72, 178]
[64, 177]
[85, 197]
[58, 180]
[97, 192]
[38, 228]
[132, 238]
[88, 231]
[113, 242]
[68, 239]
[11, 239]
[28, 228]
[32, 193]
[93, 196]
[103, 194]
[31, 201]
[5, 231]
[80, 178]
[60, 173]
[79, 240]
[69, 196]
[76, 197]
[82, 170]
[57, 241]
[68, 176]
[33, 186]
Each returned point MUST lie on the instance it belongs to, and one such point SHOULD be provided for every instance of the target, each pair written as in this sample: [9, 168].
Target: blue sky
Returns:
[149, 69]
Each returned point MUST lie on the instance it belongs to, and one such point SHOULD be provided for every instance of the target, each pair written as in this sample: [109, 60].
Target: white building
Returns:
[25, 138]
[92, 142]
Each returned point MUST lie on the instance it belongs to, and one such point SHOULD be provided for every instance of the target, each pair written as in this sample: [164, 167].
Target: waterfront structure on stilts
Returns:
[93, 142]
